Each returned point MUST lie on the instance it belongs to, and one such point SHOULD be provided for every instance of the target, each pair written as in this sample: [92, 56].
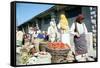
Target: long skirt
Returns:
[80, 45]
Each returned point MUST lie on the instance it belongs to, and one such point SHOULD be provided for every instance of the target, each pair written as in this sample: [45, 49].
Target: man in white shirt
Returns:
[79, 30]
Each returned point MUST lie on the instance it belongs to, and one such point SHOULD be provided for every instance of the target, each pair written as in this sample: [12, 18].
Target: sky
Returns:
[25, 11]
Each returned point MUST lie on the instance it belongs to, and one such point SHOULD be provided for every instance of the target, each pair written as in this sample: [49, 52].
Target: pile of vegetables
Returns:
[58, 45]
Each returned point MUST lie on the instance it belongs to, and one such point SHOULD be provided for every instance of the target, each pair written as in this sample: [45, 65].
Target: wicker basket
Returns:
[62, 52]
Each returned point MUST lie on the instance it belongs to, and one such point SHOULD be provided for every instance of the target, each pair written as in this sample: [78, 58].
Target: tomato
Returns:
[57, 45]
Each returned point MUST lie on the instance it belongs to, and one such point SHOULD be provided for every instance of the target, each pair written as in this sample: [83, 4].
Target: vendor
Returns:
[79, 30]
[46, 36]
[27, 39]
[63, 23]
[63, 28]
[52, 31]
[19, 37]
[31, 32]
[41, 35]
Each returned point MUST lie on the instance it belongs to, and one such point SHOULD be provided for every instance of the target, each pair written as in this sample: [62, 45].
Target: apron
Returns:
[80, 45]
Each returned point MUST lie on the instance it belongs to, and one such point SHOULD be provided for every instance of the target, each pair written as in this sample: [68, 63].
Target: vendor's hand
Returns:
[77, 35]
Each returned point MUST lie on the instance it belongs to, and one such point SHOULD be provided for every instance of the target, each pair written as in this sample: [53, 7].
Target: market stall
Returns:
[58, 50]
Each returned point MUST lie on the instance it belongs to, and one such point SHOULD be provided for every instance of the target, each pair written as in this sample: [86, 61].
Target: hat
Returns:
[80, 17]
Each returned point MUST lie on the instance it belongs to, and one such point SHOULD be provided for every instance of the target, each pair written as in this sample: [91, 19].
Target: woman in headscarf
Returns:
[52, 31]
[79, 30]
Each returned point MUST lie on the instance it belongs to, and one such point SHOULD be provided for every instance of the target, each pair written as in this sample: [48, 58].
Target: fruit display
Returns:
[58, 46]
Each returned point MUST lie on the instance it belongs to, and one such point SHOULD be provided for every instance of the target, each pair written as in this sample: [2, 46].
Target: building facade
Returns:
[43, 19]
